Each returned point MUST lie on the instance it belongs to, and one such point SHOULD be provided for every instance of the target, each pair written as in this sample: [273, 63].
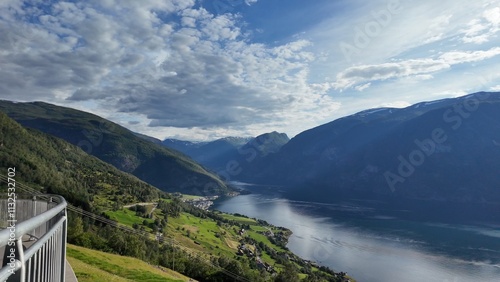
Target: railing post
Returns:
[34, 210]
[20, 251]
[63, 244]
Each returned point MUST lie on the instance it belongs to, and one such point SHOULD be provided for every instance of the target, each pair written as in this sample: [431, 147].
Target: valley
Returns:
[118, 213]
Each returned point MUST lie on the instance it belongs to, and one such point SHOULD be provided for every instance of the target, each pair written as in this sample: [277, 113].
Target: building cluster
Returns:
[203, 203]
[159, 237]
[243, 249]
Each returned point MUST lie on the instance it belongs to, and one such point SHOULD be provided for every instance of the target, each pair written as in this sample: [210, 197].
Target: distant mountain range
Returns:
[227, 156]
[211, 154]
[442, 151]
[130, 152]
[445, 151]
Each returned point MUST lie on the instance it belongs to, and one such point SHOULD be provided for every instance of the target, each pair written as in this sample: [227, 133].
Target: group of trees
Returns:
[107, 238]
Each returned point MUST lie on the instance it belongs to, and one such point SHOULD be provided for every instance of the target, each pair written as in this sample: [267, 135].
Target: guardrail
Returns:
[33, 239]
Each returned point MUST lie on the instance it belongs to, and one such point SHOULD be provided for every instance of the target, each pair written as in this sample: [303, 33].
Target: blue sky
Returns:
[200, 70]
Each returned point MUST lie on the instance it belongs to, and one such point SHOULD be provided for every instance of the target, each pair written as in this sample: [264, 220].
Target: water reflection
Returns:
[377, 247]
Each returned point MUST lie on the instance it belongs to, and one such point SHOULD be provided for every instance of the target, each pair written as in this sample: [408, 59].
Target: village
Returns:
[200, 202]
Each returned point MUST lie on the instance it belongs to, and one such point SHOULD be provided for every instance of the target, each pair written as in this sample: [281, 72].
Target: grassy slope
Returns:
[206, 237]
[90, 265]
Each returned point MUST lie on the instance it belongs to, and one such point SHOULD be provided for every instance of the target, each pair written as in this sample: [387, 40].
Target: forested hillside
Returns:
[55, 166]
[166, 169]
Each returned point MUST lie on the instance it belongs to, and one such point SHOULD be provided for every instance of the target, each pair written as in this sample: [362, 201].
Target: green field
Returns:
[90, 265]
[190, 197]
[127, 217]
[217, 235]
[203, 234]
[240, 219]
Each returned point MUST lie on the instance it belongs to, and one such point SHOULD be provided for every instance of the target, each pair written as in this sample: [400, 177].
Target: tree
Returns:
[75, 229]
[289, 274]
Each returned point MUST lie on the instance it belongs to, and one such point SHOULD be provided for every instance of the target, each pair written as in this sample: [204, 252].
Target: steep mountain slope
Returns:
[447, 150]
[166, 169]
[57, 167]
[217, 154]
[148, 138]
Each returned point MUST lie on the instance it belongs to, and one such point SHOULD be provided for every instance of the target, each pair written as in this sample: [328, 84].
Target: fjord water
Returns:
[371, 245]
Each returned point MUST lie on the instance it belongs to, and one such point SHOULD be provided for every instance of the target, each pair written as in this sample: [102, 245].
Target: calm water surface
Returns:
[371, 246]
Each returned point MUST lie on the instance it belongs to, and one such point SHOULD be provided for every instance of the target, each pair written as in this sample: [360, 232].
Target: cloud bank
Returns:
[192, 69]
[169, 64]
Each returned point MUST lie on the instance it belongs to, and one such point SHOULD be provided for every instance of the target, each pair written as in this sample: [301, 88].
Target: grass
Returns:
[190, 197]
[240, 219]
[202, 230]
[90, 265]
[127, 217]
[204, 236]
[89, 273]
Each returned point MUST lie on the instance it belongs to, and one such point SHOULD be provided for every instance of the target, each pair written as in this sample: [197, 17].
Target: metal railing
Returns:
[33, 239]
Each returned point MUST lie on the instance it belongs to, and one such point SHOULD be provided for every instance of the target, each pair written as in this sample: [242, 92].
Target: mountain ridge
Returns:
[166, 169]
[366, 154]
[58, 167]
[222, 154]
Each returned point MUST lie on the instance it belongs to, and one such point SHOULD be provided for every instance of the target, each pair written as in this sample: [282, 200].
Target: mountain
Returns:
[57, 167]
[211, 154]
[186, 147]
[442, 151]
[166, 169]
[220, 155]
[265, 144]
[148, 138]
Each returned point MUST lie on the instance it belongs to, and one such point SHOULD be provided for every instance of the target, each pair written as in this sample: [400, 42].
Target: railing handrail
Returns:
[45, 259]
[26, 226]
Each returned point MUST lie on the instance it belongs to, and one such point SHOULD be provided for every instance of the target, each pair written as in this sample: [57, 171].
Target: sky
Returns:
[201, 70]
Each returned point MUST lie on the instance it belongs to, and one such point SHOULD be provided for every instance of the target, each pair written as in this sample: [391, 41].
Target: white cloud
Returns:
[366, 73]
[493, 16]
[481, 30]
[495, 88]
[188, 22]
[418, 68]
[459, 57]
[362, 87]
